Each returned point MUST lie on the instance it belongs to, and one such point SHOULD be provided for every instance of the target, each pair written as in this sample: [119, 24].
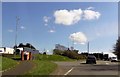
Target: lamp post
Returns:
[16, 34]
[88, 47]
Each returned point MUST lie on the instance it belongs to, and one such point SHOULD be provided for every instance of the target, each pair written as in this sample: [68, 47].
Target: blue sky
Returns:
[40, 26]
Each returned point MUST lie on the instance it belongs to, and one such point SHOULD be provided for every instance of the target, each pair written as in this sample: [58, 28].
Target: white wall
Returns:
[7, 50]
[1, 50]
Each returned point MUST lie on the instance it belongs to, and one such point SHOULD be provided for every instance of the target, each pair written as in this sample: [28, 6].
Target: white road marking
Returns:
[69, 71]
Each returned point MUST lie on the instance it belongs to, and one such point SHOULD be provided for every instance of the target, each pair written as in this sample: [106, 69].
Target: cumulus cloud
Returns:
[10, 30]
[90, 15]
[90, 8]
[22, 27]
[51, 31]
[46, 24]
[46, 19]
[98, 34]
[78, 37]
[69, 17]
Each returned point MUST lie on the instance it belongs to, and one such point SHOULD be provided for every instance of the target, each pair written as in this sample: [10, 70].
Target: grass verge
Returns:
[44, 65]
[6, 63]
[52, 58]
[42, 68]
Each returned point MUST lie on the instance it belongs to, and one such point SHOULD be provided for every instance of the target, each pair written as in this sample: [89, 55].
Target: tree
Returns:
[21, 45]
[29, 46]
[15, 46]
[25, 45]
[117, 48]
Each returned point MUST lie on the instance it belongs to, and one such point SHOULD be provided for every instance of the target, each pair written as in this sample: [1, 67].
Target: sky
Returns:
[44, 24]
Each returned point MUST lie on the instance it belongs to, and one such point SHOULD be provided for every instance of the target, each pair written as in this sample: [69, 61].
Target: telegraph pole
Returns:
[16, 33]
[73, 44]
[88, 47]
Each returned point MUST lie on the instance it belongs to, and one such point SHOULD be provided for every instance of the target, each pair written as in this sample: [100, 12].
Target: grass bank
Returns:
[44, 64]
[42, 68]
[6, 63]
[52, 58]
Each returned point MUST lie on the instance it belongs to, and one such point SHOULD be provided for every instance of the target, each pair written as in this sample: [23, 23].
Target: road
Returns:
[80, 68]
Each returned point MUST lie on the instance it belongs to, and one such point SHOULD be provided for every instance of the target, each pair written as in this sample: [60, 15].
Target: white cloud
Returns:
[98, 34]
[22, 27]
[90, 8]
[67, 17]
[78, 37]
[46, 24]
[51, 31]
[46, 19]
[10, 30]
[90, 15]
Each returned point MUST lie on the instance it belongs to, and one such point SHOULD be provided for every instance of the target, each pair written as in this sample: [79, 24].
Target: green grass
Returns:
[52, 58]
[6, 63]
[0, 63]
[42, 68]
[44, 64]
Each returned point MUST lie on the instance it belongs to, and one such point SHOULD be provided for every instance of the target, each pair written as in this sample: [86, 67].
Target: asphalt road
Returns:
[80, 68]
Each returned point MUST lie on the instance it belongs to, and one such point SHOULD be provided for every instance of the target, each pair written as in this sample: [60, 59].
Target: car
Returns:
[91, 59]
[113, 59]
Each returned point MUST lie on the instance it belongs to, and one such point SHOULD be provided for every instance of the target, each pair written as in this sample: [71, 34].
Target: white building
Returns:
[6, 50]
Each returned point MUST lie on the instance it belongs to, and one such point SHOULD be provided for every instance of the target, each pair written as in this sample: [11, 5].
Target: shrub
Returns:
[58, 52]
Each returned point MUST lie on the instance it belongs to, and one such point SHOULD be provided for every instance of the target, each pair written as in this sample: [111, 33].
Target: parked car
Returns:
[91, 59]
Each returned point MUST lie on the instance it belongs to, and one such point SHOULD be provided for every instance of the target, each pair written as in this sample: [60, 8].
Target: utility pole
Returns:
[16, 33]
[88, 47]
[73, 44]
[68, 44]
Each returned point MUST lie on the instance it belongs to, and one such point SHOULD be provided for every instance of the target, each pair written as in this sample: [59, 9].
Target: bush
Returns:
[8, 55]
[73, 54]
[58, 52]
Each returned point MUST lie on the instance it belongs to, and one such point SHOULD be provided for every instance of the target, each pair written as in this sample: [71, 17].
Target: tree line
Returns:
[28, 45]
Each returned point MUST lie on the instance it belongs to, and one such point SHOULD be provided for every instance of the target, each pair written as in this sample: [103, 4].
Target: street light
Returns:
[17, 19]
[88, 47]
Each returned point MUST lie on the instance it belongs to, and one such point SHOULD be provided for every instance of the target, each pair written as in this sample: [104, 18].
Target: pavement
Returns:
[20, 69]
[80, 68]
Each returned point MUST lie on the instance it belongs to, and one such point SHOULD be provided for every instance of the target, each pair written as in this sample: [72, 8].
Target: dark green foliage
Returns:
[26, 45]
[73, 54]
[15, 46]
[58, 52]
[21, 45]
[8, 55]
[29, 46]
[117, 48]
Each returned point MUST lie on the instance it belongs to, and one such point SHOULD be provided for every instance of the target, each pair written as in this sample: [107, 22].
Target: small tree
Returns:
[21, 45]
[117, 48]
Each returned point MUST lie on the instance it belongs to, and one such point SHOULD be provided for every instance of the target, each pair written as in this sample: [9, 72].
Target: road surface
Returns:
[80, 68]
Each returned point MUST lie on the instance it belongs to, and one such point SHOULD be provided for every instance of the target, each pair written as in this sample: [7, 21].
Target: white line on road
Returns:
[69, 71]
